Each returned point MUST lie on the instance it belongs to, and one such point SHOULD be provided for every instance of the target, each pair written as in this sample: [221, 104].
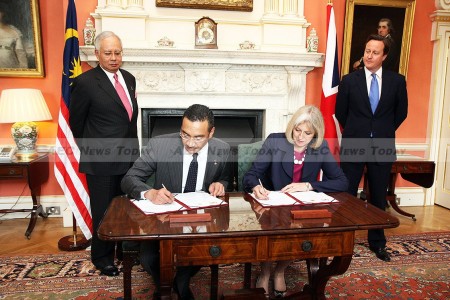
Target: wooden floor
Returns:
[47, 232]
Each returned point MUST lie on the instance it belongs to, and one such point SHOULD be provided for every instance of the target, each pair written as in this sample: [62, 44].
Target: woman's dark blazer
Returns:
[274, 165]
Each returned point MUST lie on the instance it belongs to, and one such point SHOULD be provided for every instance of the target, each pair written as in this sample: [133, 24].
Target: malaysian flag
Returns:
[330, 83]
[67, 154]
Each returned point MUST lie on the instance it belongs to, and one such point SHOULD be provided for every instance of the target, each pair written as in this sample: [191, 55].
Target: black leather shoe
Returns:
[109, 270]
[381, 253]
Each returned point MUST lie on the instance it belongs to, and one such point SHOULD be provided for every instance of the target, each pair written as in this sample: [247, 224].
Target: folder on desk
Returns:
[183, 202]
[277, 198]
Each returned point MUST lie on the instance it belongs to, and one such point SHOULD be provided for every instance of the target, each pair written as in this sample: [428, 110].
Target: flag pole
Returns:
[75, 241]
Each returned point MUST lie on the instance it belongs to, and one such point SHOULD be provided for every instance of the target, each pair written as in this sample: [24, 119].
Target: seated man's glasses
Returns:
[196, 139]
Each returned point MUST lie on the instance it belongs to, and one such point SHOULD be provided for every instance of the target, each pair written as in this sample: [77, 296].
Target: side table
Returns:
[35, 171]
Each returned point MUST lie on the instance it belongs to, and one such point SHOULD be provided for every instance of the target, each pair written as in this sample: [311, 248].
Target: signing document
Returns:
[277, 198]
[312, 197]
[185, 201]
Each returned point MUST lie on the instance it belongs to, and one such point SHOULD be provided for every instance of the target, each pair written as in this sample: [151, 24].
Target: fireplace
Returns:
[235, 126]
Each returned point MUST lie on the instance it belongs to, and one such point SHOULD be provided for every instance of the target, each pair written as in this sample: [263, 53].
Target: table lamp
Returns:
[23, 107]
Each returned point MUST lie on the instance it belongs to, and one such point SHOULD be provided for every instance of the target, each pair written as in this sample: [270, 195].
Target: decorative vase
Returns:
[89, 32]
[25, 136]
[312, 41]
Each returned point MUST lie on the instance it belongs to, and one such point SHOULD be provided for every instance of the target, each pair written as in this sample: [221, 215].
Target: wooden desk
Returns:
[418, 171]
[35, 172]
[238, 234]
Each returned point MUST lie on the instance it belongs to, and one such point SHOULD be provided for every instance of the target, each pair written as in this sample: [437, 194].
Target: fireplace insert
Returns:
[235, 126]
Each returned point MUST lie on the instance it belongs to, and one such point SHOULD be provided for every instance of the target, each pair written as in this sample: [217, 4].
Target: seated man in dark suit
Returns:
[170, 158]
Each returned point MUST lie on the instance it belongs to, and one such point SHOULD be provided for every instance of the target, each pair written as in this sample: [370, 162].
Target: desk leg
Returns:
[37, 175]
[318, 275]
[247, 275]
[392, 197]
[166, 263]
[35, 212]
[214, 282]
[128, 259]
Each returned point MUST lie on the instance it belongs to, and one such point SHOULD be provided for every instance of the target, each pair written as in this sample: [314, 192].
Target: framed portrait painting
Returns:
[239, 5]
[20, 39]
[363, 17]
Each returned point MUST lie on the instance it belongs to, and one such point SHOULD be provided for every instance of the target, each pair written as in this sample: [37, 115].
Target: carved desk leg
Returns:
[166, 263]
[392, 197]
[128, 259]
[319, 272]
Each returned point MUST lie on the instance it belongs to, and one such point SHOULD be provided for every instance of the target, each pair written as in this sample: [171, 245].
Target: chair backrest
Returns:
[246, 155]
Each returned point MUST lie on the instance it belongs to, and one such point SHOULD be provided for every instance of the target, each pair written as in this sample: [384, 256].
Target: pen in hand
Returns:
[170, 195]
[263, 192]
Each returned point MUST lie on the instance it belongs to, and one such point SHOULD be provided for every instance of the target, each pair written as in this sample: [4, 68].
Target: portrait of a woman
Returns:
[12, 50]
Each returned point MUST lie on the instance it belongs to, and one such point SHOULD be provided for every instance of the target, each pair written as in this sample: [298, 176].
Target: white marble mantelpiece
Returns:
[242, 79]
[208, 56]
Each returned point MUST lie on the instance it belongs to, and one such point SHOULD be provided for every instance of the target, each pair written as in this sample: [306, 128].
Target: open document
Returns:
[199, 200]
[149, 208]
[277, 198]
[312, 197]
[185, 201]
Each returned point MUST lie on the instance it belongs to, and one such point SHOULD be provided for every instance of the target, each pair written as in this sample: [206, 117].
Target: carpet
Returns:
[420, 269]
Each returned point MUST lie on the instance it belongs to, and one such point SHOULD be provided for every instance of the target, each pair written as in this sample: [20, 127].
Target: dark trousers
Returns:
[102, 189]
[378, 180]
[149, 257]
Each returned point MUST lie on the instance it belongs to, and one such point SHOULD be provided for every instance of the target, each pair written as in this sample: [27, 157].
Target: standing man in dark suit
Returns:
[103, 116]
[168, 157]
[370, 106]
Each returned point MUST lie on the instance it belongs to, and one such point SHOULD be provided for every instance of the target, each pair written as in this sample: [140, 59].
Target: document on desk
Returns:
[149, 208]
[277, 198]
[185, 201]
[312, 197]
[199, 200]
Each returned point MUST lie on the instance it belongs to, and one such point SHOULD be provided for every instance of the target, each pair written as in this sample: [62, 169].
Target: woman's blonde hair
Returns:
[312, 116]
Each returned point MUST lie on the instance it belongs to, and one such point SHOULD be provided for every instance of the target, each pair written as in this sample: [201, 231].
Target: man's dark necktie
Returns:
[191, 181]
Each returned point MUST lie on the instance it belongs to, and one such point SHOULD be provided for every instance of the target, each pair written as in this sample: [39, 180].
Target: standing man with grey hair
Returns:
[103, 119]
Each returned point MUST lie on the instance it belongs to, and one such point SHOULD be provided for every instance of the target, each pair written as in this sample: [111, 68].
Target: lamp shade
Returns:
[23, 105]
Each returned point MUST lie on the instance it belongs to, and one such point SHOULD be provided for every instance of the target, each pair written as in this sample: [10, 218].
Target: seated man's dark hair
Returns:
[198, 112]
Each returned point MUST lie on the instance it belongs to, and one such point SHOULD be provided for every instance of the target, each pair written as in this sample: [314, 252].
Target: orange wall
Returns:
[53, 22]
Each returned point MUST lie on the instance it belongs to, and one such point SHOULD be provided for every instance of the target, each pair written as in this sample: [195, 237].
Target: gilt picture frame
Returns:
[361, 20]
[20, 40]
[238, 5]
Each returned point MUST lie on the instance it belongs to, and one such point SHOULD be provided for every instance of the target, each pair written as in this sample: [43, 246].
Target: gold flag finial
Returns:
[330, 2]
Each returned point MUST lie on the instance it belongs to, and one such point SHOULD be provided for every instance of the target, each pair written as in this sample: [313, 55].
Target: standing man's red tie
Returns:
[123, 96]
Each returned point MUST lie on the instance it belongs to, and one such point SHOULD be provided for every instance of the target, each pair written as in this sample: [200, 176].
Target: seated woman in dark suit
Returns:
[291, 162]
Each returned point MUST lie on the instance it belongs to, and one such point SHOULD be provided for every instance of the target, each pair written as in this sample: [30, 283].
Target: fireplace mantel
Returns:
[274, 82]
[202, 56]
